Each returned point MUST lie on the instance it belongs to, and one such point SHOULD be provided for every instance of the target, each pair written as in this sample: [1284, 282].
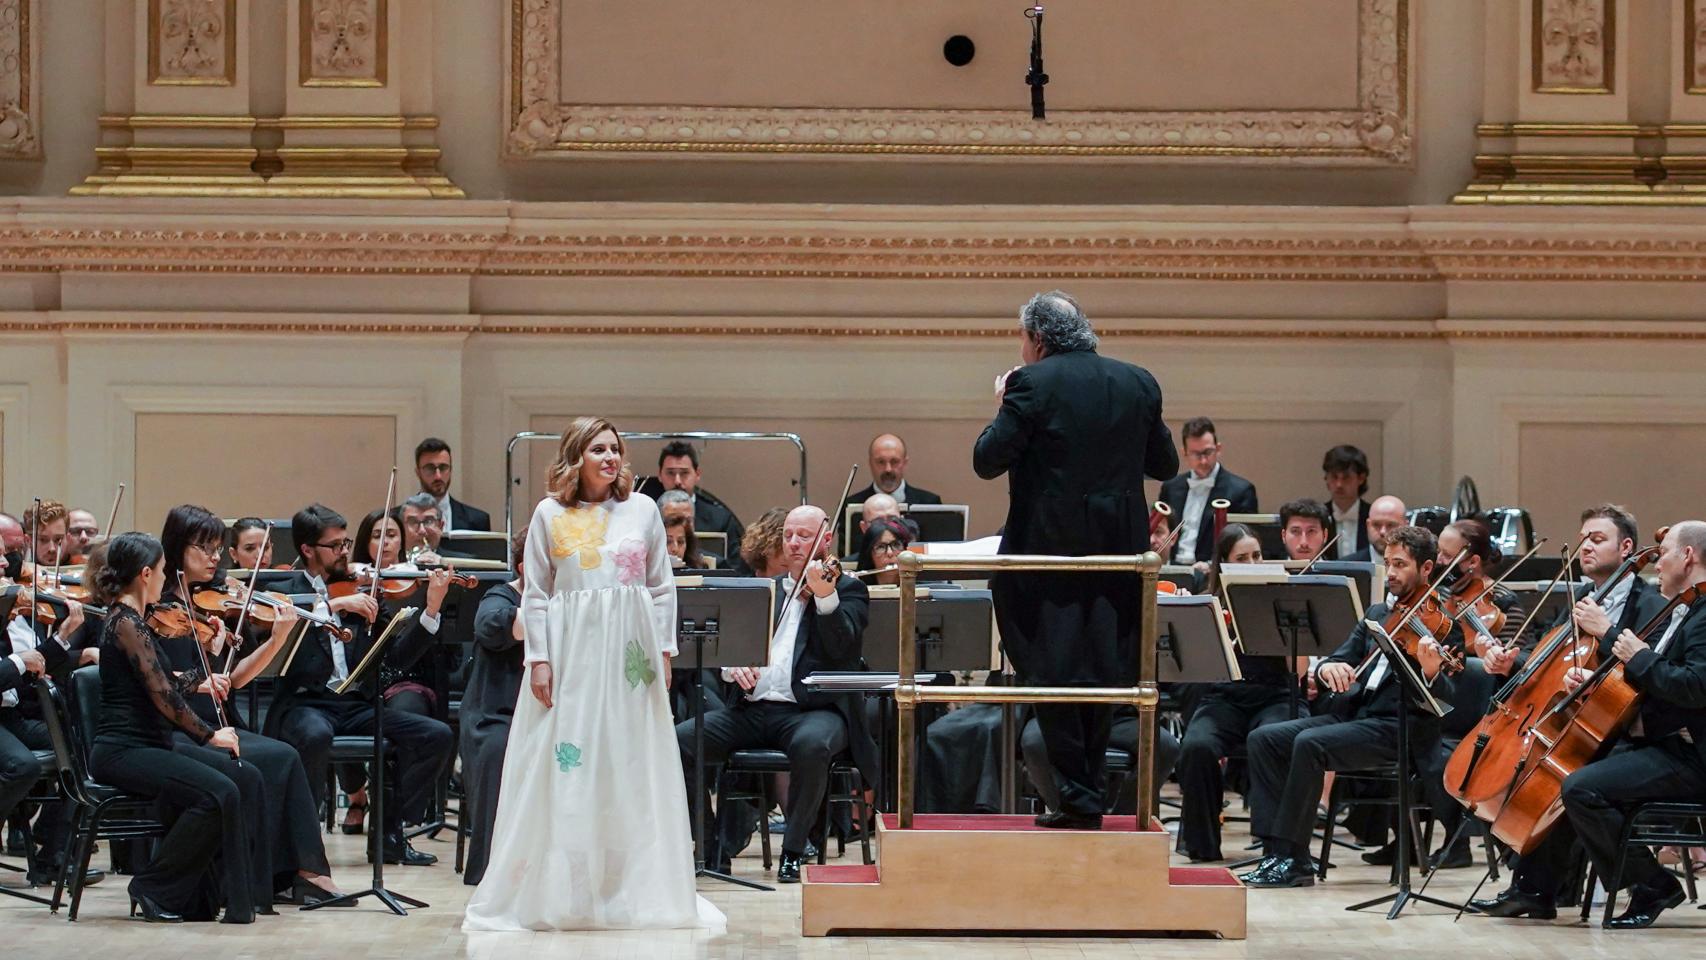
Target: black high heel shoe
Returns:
[151, 911]
[354, 829]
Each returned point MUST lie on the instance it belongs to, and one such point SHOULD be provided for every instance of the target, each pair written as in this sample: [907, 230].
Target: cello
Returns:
[1572, 733]
[1485, 763]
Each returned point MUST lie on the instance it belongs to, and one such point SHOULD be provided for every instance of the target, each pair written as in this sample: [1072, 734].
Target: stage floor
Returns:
[1306, 923]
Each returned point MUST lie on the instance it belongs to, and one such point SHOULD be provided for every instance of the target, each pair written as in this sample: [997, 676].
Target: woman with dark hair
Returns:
[1225, 715]
[141, 706]
[251, 536]
[369, 544]
[288, 853]
[884, 540]
[682, 544]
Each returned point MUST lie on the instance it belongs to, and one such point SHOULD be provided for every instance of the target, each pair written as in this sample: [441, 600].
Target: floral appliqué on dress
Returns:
[630, 560]
[636, 666]
[568, 756]
[580, 530]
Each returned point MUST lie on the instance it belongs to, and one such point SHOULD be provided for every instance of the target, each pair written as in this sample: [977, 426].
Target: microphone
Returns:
[1036, 79]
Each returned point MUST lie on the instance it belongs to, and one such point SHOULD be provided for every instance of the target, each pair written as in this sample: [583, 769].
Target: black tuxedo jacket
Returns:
[1643, 604]
[468, 518]
[710, 515]
[1229, 486]
[1673, 683]
[835, 641]
[915, 495]
[494, 683]
[312, 665]
[1076, 435]
[1384, 699]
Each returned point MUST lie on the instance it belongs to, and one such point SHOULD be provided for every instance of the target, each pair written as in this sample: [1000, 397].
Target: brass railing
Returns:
[1145, 696]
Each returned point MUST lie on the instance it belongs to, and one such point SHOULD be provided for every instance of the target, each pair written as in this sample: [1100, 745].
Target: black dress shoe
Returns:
[1645, 905]
[1065, 820]
[1384, 856]
[402, 853]
[788, 871]
[1276, 872]
[151, 911]
[47, 878]
[236, 916]
[1517, 903]
[1451, 858]
[302, 893]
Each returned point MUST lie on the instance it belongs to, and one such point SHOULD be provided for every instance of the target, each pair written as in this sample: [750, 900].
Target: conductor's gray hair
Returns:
[1057, 323]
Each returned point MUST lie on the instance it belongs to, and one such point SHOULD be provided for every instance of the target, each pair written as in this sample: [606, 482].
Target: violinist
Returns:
[1289, 761]
[1226, 714]
[288, 855]
[13, 542]
[1304, 526]
[249, 536]
[80, 532]
[1662, 758]
[309, 712]
[47, 549]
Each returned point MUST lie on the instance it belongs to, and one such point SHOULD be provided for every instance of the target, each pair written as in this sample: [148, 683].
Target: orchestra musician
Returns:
[1290, 760]
[1190, 493]
[1304, 528]
[432, 469]
[1344, 469]
[488, 707]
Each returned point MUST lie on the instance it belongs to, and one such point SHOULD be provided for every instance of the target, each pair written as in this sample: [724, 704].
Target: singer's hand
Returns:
[225, 738]
[540, 683]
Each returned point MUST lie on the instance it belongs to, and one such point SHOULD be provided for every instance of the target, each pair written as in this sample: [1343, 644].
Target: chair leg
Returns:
[1492, 856]
[1616, 883]
[764, 816]
[1327, 833]
[461, 830]
[85, 849]
[331, 796]
[1688, 872]
[1587, 895]
[72, 840]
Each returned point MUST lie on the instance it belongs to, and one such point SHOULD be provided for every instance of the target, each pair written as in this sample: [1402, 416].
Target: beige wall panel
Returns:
[1652, 468]
[1101, 54]
[338, 460]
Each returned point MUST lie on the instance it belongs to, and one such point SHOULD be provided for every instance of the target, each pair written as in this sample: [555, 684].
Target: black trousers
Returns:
[810, 738]
[1596, 796]
[1122, 735]
[421, 744]
[20, 737]
[206, 840]
[1289, 763]
[1218, 726]
[1076, 737]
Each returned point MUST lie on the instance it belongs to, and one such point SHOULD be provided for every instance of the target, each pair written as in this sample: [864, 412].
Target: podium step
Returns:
[1003, 875]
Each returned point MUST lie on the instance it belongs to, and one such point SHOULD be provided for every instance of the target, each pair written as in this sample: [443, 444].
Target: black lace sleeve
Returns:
[144, 658]
[186, 682]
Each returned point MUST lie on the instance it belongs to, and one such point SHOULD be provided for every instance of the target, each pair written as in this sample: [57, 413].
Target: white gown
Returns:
[592, 829]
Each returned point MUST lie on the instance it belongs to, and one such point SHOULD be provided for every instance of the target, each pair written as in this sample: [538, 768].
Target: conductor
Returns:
[1076, 433]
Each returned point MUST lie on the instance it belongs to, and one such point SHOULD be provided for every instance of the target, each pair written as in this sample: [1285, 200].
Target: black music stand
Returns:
[1370, 577]
[1280, 616]
[952, 629]
[728, 622]
[1416, 693]
[1192, 644]
[1553, 599]
[367, 669]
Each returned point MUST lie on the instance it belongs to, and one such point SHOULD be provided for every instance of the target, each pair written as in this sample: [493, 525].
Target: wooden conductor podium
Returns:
[996, 874]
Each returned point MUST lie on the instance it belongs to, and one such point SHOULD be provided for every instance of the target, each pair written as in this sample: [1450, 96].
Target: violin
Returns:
[397, 583]
[50, 607]
[1422, 615]
[229, 601]
[174, 620]
[1475, 594]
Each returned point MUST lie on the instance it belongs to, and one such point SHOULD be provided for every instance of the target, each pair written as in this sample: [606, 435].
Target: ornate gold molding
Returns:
[20, 101]
[1694, 46]
[1574, 45]
[192, 42]
[343, 43]
[1377, 132]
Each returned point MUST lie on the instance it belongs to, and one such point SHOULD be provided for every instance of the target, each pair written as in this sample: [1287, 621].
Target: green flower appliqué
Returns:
[568, 756]
[636, 666]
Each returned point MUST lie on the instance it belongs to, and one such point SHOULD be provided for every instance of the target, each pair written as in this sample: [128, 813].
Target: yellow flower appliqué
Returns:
[580, 530]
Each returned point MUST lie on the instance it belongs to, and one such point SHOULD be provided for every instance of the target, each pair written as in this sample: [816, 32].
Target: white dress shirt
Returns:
[776, 678]
[23, 638]
[1676, 618]
[1615, 600]
[444, 512]
[340, 658]
[1190, 524]
[1346, 526]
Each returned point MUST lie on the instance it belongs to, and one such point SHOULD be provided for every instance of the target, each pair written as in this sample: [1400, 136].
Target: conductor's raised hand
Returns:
[1001, 384]
[540, 682]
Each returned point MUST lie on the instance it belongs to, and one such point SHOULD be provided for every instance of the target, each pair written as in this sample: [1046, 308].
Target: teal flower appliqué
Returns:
[636, 666]
[568, 756]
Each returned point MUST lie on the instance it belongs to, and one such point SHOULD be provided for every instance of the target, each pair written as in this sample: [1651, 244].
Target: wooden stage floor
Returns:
[1306, 923]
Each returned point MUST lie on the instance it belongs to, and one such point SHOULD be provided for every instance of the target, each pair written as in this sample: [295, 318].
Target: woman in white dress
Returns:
[592, 829]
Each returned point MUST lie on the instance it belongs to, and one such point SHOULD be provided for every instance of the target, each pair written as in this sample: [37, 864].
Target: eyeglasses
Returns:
[415, 523]
[893, 546]
[209, 550]
[434, 468]
[1208, 454]
[343, 544]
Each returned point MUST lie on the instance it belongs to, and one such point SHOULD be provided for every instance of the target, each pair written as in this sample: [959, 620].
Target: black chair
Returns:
[1385, 778]
[1657, 824]
[99, 812]
[757, 766]
[44, 791]
[347, 750]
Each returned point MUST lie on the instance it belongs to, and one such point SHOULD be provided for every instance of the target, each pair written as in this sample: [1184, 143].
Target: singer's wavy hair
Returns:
[1057, 322]
[563, 480]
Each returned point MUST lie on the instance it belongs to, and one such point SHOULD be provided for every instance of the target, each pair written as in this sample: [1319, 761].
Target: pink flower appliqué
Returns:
[630, 560]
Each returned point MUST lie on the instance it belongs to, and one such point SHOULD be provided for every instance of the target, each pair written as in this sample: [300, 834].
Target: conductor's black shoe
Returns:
[788, 871]
[1063, 820]
[1517, 903]
[1281, 872]
[1645, 905]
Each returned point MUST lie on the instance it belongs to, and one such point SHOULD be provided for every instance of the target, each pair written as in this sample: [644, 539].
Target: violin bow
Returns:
[112, 515]
[201, 652]
[243, 615]
[1569, 557]
[1469, 607]
[1324, 548]
[834, 525]
[390, 490]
